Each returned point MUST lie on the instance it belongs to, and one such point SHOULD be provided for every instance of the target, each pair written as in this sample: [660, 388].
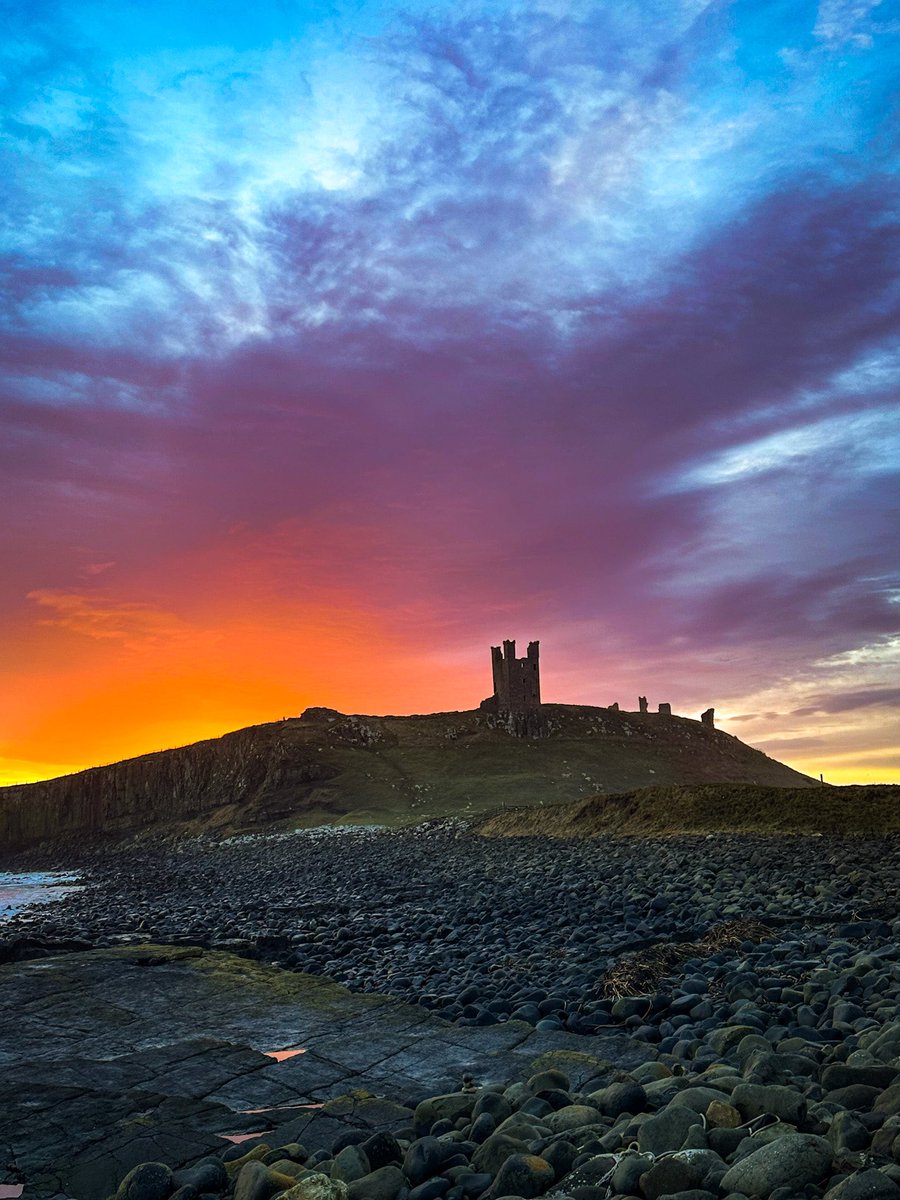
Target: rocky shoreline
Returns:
[754, 981]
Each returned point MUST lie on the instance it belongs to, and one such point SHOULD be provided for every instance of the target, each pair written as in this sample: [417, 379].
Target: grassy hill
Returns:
[866, 810]
[327, 766]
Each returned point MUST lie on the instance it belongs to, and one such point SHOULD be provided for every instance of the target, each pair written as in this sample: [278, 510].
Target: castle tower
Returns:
[517, 690]
[517, 681]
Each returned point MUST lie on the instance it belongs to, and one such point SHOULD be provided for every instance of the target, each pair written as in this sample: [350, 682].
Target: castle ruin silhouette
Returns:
[517, 681]
[517, 692]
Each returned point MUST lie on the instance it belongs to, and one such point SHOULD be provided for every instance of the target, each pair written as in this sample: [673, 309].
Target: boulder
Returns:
[722, 1115]
[590, 1175]
[678, 1173]
[316, 1186]
[254, 1182]
[208, 1175]
[625, 1097]
[847, 1133]
[573, 1116]
[841, 1075]
[791, 1161]
[147, 1181]
[492, 1154]
[667, 1129]
[423, 1159]
[754, 1099]
[524, 1175]
[698, 1098]
[350, 1163]
[548, 1081]
[448, 1107]
[888, 1102]
[384, 1184]
[865, 1185]
[381, 1150]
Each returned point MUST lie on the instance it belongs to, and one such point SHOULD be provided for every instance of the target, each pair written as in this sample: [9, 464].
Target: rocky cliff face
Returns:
[242, 769]
[385, 769]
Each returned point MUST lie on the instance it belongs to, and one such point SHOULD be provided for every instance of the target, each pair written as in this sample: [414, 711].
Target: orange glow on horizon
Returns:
[86, 718]
[93, 679]
[134, 690]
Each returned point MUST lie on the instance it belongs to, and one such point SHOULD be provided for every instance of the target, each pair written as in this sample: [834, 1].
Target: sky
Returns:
[341, 340]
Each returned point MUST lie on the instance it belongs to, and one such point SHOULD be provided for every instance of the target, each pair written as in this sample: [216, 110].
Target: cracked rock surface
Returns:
[113, 1057]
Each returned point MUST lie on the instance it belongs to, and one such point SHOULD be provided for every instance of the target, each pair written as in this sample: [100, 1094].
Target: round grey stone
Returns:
[793, 1161]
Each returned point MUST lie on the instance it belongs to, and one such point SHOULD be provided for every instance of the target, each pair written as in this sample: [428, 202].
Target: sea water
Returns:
[19, 888]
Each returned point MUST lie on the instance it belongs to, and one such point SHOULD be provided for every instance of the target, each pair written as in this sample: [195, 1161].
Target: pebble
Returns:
[469, 937]
[770, 1068]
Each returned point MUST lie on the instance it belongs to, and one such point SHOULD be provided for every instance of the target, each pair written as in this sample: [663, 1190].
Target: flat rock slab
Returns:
[113, 1057]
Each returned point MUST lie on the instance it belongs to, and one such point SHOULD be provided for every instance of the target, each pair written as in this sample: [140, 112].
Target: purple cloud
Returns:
[839, 702]
[579, 320]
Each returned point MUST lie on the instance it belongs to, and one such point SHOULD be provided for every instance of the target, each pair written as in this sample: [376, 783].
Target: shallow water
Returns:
[20, 888]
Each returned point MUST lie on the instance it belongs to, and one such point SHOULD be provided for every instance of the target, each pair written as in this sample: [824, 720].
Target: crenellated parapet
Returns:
[517, 681]
[517, 689]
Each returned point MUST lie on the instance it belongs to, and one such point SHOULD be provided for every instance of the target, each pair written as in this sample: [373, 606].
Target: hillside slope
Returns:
[327, 766]
[868, 810]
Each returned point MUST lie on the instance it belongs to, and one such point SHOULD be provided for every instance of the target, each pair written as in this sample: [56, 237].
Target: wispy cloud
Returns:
[855, 443]
[839, 702]
[105, 619]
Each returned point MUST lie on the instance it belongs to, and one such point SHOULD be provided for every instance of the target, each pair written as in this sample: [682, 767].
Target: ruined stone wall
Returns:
[517, 681]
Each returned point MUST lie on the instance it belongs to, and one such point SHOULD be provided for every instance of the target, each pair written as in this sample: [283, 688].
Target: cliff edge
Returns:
[327, 766]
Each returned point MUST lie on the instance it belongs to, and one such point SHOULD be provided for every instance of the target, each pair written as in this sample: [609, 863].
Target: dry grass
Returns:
[640, 973]
[866, 810]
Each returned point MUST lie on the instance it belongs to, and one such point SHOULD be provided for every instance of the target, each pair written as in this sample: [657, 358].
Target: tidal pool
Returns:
[18, 889]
